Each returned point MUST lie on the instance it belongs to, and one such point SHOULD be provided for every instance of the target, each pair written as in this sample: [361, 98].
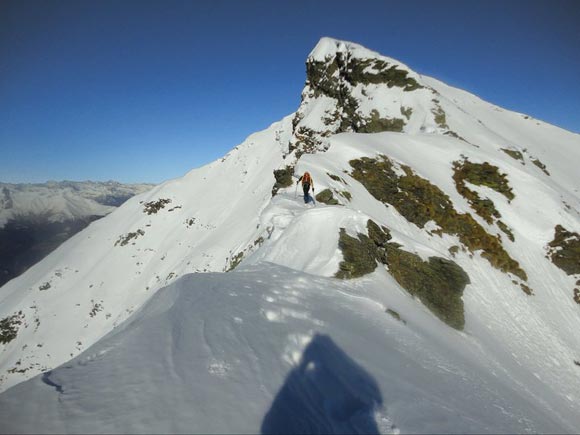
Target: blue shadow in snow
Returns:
[46, 379]
[327, 393]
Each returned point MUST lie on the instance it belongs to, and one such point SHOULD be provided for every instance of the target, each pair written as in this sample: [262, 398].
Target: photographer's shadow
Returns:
[327, 393]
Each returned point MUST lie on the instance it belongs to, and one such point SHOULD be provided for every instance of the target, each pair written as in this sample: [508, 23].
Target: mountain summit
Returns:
[434, 286]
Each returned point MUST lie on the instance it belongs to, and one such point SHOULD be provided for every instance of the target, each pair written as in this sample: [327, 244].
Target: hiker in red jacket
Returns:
[307, 183]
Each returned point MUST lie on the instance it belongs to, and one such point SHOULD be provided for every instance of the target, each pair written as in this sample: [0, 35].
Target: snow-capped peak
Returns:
[329, 47]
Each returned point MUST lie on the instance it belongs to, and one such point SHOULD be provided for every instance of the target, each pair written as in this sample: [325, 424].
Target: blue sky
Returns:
[147, 90]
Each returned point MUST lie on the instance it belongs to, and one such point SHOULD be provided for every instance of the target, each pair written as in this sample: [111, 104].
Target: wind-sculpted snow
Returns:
[272, 349]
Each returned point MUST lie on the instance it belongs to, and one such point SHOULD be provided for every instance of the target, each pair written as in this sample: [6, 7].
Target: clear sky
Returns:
[147, 90]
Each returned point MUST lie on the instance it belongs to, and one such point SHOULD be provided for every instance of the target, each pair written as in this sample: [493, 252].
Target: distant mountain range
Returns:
[36, 218]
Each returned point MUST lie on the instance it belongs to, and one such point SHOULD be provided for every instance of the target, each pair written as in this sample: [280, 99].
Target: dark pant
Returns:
[306, 188]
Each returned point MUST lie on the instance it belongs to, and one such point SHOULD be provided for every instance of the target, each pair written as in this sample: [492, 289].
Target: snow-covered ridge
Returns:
[519, 349]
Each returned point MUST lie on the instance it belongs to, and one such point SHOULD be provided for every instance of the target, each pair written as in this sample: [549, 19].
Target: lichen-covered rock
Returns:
[439, 116]
[395, 315]
[336, 178]
[419, 201]
[283, 178]
[326, 197]
[326, 76]
[126, 238]
[438, 282]
[375, 124]
[235, 261]
[406, 112]
[359, 256]
[516, 155]
[346, 194]
[564, 250]
[377, 71]
[507, 231]
[481, 174]
[153, 207]
[9, 327]
[334, 80]
[540, 165]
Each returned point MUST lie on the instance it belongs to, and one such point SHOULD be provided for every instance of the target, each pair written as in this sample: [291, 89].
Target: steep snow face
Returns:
[505, 183]
[96, 279]
[269, 349]
[59, 201]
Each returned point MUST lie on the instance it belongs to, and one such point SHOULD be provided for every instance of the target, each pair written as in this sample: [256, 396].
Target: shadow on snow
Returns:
[327, 393]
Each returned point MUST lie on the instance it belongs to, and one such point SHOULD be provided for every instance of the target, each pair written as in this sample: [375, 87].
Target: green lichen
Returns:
[440, 117]
[527, 290]
[564, 250]
[482, 174]
[456, 136]
[336, 178]
[375, 124]
[406, 112]
[516, 155]
[346, 194]
[335, 78]
[437, 282]
[331, 118]
[322, 77]
[419, 201]
[395, 315]
[540, 165]
[152, 207]
[126, 238]
[375, 71]
[235, 261]
[283, 178]
[9, 327]
[326, 197]
[359, 256]
[507, 231]
[307, 141]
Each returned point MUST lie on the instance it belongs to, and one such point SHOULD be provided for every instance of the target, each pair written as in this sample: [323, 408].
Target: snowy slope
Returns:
[511, 369]
[272, 349]
[37, 218]
[96, 279]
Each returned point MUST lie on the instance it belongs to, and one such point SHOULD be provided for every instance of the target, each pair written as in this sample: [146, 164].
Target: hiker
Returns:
[306, 184]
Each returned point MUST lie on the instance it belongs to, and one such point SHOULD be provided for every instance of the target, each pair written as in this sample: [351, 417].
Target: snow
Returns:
[332, 361]
[154, 337]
